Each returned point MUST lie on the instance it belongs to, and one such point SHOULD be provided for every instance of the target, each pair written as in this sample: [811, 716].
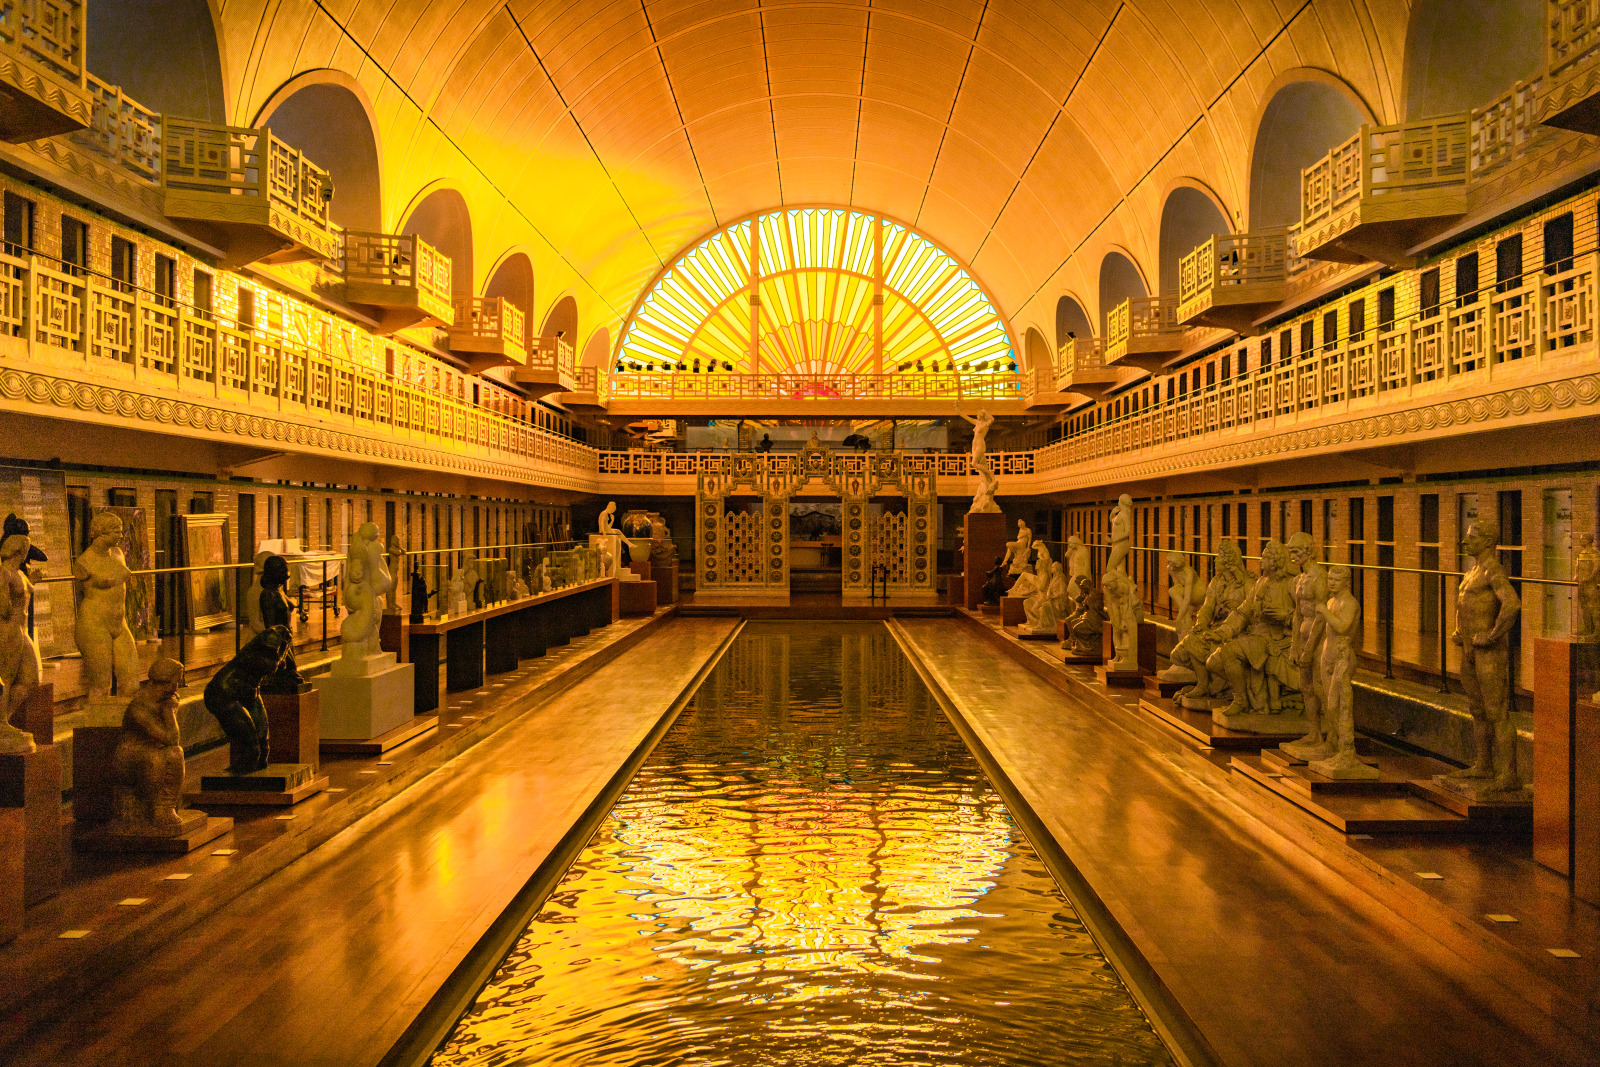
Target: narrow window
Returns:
[247, 311]
[166, 279]
[1266, 352]
[1558, 244]
[1508, 263]
[1211, 375]
[1467, 280]
[202, 293]
[19, 225]
[1308, 336]
[1429, 296]
[1286, 346]
[1227, 367]
[124, 263]
[74, 246]
[1386, 309]
[1330, 329]
[1358, 318]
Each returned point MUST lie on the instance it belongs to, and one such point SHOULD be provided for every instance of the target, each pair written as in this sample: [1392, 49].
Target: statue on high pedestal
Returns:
[419, 595]
[366, 578]
[397, 567]
[1586, 573]
[1078, 560]
[276, 612]
[979, 455]
[101, 629]
[1486, 608]
[983, 500]
[606, 517]
[1018, 553]
[1121, 533]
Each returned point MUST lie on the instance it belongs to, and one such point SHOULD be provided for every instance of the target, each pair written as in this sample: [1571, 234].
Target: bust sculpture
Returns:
[1586, 572]
[148, 764]
[104, 640]
[19, 656]
[1336, 664]
[518, 587]
[1183, 592]
[276, 611]
[1486, 608]
[233, 696]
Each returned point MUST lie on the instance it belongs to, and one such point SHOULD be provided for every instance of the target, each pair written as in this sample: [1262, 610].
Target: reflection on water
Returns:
[810, 869]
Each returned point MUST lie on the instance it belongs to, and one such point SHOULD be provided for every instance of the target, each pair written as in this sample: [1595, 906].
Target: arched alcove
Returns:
[1188, 218]
[1120, 280]
[597, 353]
[562, 319]
[513, 279]
[1462, 55]
[326, 119]
[1071, 321]
[1302, 121]
[1037, 351]
[163, 53]
[441, 219]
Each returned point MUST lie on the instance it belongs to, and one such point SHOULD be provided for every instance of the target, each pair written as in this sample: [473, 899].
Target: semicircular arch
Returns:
[1190, 215]
[1450, 64]
[1072, 320]
[1120, 279]
[440, 216]
[163, 53]
[327, 115]
[1304, 113]
[512, 278]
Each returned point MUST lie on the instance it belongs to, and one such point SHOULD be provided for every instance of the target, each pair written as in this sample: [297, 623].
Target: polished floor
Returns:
[810, 869]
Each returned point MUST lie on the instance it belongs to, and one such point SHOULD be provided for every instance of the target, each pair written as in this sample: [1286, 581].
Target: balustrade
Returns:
[41, 67]
[405, 279]
[551, 367]
[122, 132]
[1232, 278]
[1143, 332]
[1568, 91]
[488, 331]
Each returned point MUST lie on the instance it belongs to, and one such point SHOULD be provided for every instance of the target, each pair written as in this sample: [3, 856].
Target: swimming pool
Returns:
[810, 868]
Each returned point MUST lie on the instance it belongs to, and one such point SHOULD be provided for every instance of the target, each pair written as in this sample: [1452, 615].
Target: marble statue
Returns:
[1183, 591]
[1121, 533]
[148, 765]
[253, 622]
[366, 578]
[19, 655]
[1339, 617]
[464, 586]
[1086, 627]
[276, 611]
[1486, 608]
[1028, 582]
[397, 567]
[994, 584]
[519, 588]
[1019, 552]
[104, 640]
[607, 525]
[1305, 648]
[1078, 562]
[980, 438]
[1125, 611]
[983, 500]
[1042, 558]
[1048, 603]
[233, 696]
[1189, 658]
[1254, 653]
[608, 563]
[1586, 572]
[541, 577]
[1226, 591]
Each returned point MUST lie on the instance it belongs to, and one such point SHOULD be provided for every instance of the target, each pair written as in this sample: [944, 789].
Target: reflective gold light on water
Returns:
[810, 869]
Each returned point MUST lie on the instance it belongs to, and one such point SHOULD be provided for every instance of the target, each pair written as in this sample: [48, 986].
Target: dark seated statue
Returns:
[276, 611]
[234, 696]
[994, 585]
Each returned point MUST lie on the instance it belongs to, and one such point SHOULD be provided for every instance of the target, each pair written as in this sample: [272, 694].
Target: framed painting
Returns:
[209, 593]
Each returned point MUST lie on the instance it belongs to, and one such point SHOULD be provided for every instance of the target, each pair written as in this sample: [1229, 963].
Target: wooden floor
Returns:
[329, 960]
[1283, 941]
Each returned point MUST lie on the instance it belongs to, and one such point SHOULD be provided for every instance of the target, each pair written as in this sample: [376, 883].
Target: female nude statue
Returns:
[104, 639]
[980, 437]
[606, 526]
[1338, 623]
[19, 656]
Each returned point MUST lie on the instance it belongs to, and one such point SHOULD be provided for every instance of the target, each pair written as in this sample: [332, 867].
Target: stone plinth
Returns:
[38, 715]
[294, 724]
[12, 833]
[636, 598]
[1585, 802]
[985, 543]
[94, 750]
[954, 592]
[666, 576]
[644, 569]
[197, 829]
[1286, 727]
[1559, 666]
[362, 706]
[32, 781]
[390, 629]
[275, 785]
[1011, 611]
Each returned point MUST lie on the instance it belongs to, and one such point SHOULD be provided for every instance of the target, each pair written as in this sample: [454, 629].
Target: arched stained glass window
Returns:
[816, 291]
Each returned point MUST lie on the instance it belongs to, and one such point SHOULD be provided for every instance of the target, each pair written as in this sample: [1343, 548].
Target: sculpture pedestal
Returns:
[644, 570]
[361, 706]
[105, 711]
[1560, 665]
[294, 724]
[275, 785]
[611, 542]
[197, 829]
[1513, 809]
[12, 833]
[32, 781]
[637, 598]
[94, 751]
[390, 628]
[1011, 611]
[1585, 803]
[1158, 686]
[953, 590]
[1283, 727]
[666, 576]
[38, 715]
[1147, 646]
[985, 534]
[1115, 679]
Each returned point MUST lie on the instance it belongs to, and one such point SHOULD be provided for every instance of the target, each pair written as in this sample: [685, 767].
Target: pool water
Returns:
[809, 869]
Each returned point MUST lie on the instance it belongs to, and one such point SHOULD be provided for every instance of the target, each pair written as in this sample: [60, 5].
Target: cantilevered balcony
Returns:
[245, 192]
[552, 367]
[1081, 368]
[1143, 333]
[1385, 190]
[401, 279]
[42, 90]
[1232, 279]
[488, 332]
[1567, 92]
[590, 391]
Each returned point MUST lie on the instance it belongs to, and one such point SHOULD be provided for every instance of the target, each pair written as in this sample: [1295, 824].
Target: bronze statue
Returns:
[234, 696]
[276, 611]
[1486, 609]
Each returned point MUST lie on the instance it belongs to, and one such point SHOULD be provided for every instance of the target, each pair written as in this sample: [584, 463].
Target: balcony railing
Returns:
[1384, 189]
[103, 347]
[689, 464]
[124, 133]
[1143, 332]
[1567, 93]
[43, 41]
[256, 195]
[401, 274]
[1226, 280]
[950, 385]
[489, 331]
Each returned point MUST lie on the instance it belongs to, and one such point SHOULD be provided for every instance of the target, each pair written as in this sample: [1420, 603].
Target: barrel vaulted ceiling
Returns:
[601, 136]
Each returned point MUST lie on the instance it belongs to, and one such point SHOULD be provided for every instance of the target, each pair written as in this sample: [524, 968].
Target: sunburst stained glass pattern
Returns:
[816, 291]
